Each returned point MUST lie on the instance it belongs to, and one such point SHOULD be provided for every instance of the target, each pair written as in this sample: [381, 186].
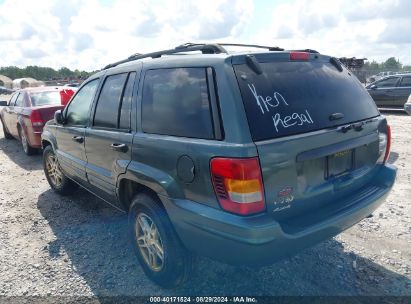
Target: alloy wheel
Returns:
[149, 242]
[53, 170]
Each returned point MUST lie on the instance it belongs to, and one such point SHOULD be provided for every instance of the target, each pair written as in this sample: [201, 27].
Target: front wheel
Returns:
[158, 248]
[55, 177]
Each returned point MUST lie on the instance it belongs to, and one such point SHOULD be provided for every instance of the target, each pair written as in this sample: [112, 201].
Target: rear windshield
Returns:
[45, 98]
[296, 97]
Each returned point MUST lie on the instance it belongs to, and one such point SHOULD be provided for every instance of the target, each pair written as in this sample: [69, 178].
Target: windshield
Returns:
[45, 98]
[296, 97]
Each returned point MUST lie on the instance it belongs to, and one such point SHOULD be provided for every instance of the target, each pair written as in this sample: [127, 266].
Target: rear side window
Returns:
[177, 102]
[113, 108]
[45, 98]
[13, 99]
[405, 82]
[109, 101]
[296, 97]
[387, 83]
[125, 110]
[20, 100]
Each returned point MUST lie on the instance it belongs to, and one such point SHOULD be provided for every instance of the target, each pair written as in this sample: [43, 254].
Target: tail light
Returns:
[299, 56]
[384, 145]
[388, 148]
[238, 184]
[36, 119]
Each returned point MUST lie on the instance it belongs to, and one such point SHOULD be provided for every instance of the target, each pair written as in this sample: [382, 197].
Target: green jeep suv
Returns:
[243, 157]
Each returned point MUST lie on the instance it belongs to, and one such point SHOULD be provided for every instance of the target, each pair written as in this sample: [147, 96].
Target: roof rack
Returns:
[205, 48]
[307, 51]
[270, 48]
[188, 47]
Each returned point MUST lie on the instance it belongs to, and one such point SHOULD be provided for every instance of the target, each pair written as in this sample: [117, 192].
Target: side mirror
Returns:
[3, 103]
[58, 117]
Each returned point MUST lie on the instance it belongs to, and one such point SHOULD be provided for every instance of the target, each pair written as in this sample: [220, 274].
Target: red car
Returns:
[27, 112]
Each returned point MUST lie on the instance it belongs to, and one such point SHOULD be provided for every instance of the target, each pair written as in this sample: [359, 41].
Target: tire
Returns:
[6, 133]
[25, 143]
[55, 177]
[177, 263]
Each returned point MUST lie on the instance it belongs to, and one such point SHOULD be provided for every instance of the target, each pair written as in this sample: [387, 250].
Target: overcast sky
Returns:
[90, 34]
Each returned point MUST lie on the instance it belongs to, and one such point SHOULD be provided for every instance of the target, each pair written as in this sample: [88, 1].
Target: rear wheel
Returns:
[55, 177]
[158, 248]
[6, 133]
[24, 142]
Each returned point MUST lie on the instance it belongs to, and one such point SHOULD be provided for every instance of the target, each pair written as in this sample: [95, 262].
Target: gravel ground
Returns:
[77, 246]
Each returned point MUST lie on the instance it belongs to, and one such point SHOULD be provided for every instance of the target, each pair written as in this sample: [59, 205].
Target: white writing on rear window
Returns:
[274, 101]
[267, 102]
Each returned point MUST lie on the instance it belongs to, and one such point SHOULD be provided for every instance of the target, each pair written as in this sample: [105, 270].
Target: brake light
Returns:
[384, 145]
[299, 56]
[388, 147]
[238, 184]
[36, 119]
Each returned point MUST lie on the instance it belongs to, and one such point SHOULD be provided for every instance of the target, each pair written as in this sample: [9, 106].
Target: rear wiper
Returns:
[336, 116]
[335, 62]
[356, 126]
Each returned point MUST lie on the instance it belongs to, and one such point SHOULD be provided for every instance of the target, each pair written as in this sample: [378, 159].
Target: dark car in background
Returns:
[391, 91]
[28, 110]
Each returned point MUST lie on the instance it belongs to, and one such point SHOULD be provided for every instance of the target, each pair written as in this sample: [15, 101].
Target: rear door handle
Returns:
[78, 139]
[119, 147]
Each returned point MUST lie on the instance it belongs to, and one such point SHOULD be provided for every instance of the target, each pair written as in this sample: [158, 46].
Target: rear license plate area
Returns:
[339, 163]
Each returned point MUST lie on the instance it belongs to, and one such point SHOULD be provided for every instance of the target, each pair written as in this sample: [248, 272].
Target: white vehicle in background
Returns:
[379, 76]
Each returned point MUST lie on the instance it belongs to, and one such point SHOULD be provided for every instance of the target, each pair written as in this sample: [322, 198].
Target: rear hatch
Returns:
[315, 127]
[46, 102]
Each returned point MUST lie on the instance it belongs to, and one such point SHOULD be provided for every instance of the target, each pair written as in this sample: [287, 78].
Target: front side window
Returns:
[387, 83]
[78, 110]
[106, 115]
[176, 102]
[405, 82]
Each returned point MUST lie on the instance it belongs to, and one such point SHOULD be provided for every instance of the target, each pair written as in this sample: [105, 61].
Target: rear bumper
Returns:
[259, 240]
[407, 108]
[34, 139]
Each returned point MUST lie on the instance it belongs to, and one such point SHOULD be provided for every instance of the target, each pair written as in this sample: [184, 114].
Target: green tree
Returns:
[374, 65]
[41, 73]
[65, 72]
[406, 68]
[392, 64]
